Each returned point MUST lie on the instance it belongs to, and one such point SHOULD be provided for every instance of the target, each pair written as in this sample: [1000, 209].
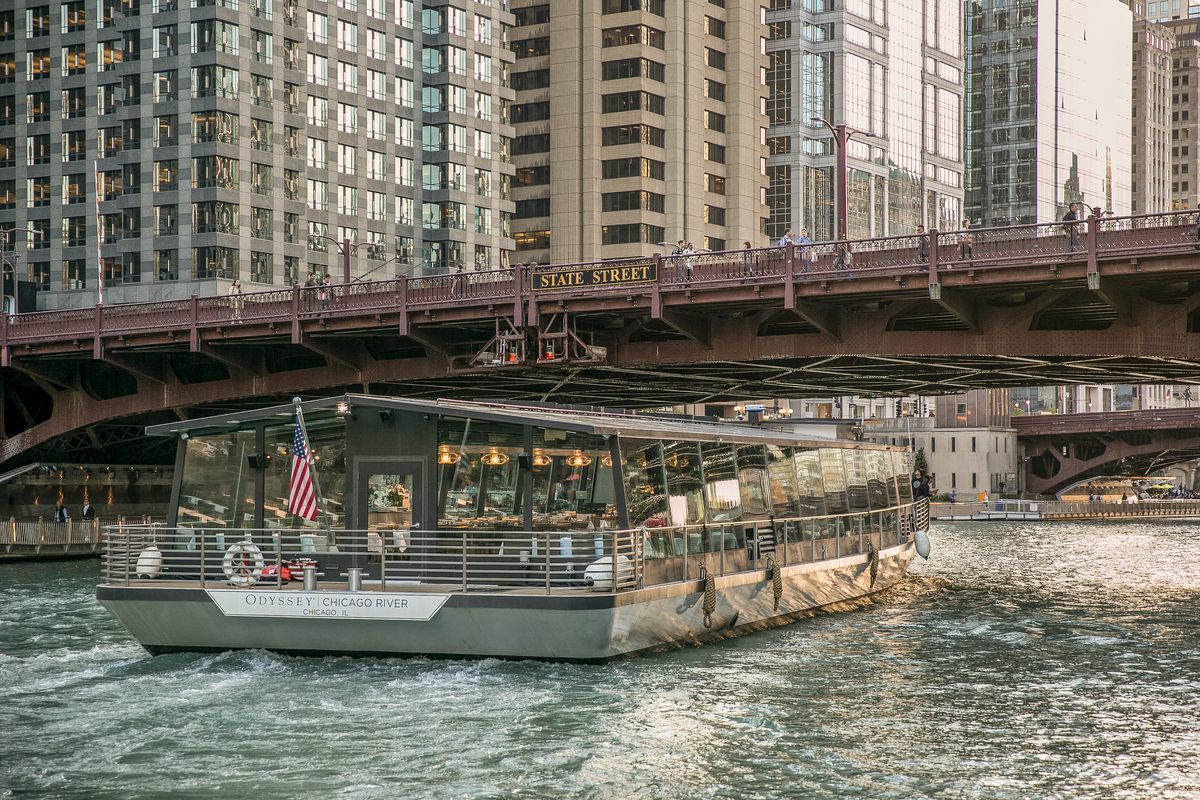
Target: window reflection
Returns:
[327, 442]
[722, 496]
[809, 487]
[217, 487]
[833, 474]
[782, 480]
[752, 480]
[685, 490]
[645, 491]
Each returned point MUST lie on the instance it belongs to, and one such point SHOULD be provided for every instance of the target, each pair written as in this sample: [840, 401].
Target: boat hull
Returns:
[576, 626]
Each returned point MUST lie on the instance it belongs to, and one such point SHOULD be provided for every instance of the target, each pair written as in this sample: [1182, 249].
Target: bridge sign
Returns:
[631, 272]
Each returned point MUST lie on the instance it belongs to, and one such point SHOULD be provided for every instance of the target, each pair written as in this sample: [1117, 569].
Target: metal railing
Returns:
[466, 561]
[939, 252]
[1061, 509]
[41, 531]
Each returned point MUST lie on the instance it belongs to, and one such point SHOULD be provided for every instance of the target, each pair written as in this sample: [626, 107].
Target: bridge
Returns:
[1065, 448]
[1024, 305]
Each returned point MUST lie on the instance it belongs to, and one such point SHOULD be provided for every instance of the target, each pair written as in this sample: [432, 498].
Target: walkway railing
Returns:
[1059, 509]
[466, 561]
[938, 253]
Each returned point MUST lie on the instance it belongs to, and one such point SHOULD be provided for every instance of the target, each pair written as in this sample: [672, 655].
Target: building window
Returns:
[632, 34]
[633, 168]
[630, 234]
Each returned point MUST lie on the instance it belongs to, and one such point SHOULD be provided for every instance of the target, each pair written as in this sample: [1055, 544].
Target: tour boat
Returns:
[366, 525]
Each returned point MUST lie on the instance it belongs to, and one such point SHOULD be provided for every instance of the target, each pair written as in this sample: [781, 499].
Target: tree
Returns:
[919, 461]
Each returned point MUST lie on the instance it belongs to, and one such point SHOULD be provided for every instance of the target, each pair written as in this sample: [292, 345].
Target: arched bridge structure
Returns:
[1113, 300]
[1063, 449]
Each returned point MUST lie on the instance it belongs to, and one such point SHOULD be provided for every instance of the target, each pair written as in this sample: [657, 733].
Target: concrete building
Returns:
[1163, 10]
[637, 122]
[969, 443]
[1048, 120]
[230, 137]
[1185, 113]
[1153, 107]
[894, 77]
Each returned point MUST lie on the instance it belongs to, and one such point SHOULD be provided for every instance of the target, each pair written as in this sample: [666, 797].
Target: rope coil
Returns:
[776, 576]
[710, 598]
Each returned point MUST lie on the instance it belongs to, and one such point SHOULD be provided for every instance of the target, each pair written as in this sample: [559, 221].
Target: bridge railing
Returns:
[1045, 243]
[1065, 509]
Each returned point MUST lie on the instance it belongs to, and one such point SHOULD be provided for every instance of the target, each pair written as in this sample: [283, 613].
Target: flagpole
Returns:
[99, 235]
[312, 467]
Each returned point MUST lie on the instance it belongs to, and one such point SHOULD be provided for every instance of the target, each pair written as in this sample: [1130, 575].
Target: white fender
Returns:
[149, 562]
[599, 574]
[243, 564]
[921, 540]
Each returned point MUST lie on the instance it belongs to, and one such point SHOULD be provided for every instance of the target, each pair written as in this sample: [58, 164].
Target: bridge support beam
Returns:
[957, 303]
[236, 361]
[697, 329]
[824, 319]
[144, 368]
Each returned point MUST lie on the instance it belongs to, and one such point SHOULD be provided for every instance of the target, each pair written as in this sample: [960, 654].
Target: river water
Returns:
[1022, 661]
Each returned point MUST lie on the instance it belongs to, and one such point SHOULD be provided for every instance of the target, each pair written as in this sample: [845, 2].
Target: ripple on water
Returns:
[1054, 661]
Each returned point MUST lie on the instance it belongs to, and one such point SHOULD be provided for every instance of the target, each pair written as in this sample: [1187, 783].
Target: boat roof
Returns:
[601, 423]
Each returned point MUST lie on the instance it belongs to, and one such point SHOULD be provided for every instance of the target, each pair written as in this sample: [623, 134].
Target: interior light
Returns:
[446, 455]
[578, 459]
[606, 461]
[494, 458]
[342, 409]
[540, 459]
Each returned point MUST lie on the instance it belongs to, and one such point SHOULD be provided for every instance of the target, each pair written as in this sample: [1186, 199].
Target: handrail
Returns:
[543, 561]
[1043, 243]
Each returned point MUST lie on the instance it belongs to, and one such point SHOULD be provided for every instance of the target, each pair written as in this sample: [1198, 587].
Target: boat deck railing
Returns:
[1065, 509]
[473, 560]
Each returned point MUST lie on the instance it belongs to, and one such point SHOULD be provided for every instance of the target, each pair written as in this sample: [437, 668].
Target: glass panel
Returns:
[644, 483]
[477, 455]
[216, 473]
[880, 494]
[856, 478]
[722, 496]
[573, 487]
[389, 501]
[809, 484]
[782, 481]
[833, 474]
[327, 440]
[752, 480]
[685, 502]
[903, 477]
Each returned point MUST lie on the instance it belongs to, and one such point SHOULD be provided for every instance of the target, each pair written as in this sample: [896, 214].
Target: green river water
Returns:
[1022, 661]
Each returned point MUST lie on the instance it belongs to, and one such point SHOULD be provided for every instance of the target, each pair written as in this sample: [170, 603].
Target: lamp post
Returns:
[841, 136]
[344, 247]
[7, 266]
[393, 259]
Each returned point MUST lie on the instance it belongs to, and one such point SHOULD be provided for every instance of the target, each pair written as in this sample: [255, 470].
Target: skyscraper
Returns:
[1151, 143]
[241, 138]
[637, 121]
[1048, 108]
[892, 72]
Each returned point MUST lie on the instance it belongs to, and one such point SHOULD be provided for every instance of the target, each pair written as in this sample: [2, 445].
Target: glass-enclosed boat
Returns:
[449, 528]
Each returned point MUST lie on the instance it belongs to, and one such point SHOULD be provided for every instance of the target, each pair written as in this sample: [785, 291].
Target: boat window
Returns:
[478, 476]
[217, 486]
[685, 489]
[752, 480]
[722, 497]
[572, 481]
[856, 478]
[879, 485]
[327, 441]
[782, 481]
[903, 477]
[833, 476]
[645, 490]
[810, 487]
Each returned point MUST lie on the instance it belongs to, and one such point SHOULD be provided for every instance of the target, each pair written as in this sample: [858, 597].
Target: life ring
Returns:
[243, 563]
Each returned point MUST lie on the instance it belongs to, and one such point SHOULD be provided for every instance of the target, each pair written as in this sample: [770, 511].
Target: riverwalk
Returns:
[1047, 510]
[44, 539]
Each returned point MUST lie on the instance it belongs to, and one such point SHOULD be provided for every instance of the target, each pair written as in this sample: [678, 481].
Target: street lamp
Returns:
[393, 259]
[344, 247]
[841, 136]
[7, 265]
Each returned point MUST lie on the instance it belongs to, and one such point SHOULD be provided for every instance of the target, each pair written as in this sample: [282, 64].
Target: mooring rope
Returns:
[873, 560]
[776, 575]
[710, 598]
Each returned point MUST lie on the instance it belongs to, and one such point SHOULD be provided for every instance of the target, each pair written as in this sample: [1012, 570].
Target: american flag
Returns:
[302, 499]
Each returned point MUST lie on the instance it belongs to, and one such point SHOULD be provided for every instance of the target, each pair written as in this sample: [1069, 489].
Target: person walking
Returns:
[922, 245]
[805, 244]
[1070, 221]
[325, 293]
[310, 285]
[843, 259]
[689, 260]
[236, 300]
[748, 260]
[966, 242]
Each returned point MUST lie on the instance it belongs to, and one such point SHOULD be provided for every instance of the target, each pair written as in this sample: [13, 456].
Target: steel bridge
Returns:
[1116, 300]
[1064, 448]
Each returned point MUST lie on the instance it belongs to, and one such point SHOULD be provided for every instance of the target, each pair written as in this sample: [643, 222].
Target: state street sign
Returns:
[327, 605]
[631, 272]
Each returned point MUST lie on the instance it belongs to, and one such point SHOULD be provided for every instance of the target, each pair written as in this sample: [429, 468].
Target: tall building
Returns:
[1163, 10]
[230, 137]
[894, 75]
[1048, 121]
[1152, 110]
[1185, 113]
[637, 122]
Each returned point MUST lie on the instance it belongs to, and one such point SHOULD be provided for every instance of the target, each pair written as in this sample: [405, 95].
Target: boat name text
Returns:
[339, 605]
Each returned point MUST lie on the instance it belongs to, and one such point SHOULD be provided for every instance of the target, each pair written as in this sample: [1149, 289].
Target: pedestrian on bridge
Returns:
[325, 293]
[60, 512]
[843, 259]
[786, 239]
[966, 242]
[236, 300]
[922, 245]
[749, 260]
[1070, 223]
[805, 245]
[310, 286]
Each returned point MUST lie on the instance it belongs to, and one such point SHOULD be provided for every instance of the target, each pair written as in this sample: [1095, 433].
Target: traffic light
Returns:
[897, 407]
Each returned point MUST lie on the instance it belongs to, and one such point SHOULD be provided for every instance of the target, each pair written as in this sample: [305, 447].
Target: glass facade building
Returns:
[228, 138]
[1047, 123]
[892, 71]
